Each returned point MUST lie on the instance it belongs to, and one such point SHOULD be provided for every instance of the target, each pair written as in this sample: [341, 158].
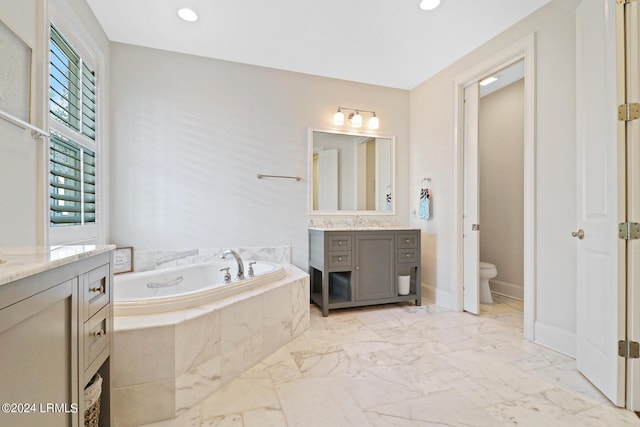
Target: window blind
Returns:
[72, 159]
[72, 178]
[72, 88]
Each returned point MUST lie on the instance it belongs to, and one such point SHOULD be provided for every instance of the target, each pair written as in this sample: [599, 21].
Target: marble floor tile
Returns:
[399, 365]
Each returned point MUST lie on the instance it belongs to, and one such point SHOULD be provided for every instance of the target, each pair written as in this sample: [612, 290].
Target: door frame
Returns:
[524, 49]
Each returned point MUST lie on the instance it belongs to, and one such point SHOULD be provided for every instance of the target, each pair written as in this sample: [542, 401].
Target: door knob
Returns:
[579, 234]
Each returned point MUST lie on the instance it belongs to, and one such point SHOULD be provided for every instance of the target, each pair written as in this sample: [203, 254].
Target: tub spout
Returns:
[236, 255]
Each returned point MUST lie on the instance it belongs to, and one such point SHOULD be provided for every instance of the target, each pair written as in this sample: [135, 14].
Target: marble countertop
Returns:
[20, 262]
[374, 228]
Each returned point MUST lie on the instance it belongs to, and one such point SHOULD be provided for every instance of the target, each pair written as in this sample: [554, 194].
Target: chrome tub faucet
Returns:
[236, 255]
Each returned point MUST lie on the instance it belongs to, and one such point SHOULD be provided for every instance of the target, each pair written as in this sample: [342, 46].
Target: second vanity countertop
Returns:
[19, 262]
[374, 228]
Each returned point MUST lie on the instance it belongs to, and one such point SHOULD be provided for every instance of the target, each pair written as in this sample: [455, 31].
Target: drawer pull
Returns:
[98, 289]
[100, 333]
[407, 255]
[407, 241]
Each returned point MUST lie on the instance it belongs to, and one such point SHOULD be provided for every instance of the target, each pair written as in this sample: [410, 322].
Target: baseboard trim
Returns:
[507, 289]
[437, 296]
[555, 338]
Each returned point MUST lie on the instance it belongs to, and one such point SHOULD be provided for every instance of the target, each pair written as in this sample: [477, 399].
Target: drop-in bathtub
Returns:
[178, 288]
[181, 333]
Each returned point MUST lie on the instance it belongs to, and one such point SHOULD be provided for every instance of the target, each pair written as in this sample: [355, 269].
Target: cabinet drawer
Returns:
[96, 290]
[407, 241]
[406, 256]
[339, 243]
[339, 259]
[96, 335]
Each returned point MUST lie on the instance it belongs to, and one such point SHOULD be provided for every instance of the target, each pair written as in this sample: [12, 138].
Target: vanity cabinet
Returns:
[55, 335]
[357, 268]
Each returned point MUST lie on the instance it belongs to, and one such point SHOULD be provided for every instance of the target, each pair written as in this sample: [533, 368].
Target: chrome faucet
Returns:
[236, 255]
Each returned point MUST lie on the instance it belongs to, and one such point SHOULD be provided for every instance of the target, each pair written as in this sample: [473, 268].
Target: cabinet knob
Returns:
[99, 333]
[407, 240]
[339, 243]
[408, 255]
[98, 289]
[357, 268]
[339, 258]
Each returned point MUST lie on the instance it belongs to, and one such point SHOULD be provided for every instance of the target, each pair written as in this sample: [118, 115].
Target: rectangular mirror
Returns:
[351, 173]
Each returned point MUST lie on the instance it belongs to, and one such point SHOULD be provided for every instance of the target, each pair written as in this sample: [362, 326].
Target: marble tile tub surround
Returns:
[165, 364]
[405, 366]
[145, 260]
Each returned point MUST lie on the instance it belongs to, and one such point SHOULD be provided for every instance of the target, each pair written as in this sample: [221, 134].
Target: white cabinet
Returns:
[53, 339]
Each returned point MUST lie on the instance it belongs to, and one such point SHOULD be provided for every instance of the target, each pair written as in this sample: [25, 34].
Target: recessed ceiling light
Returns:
[187, 14]
[429, 4]
[488, 81]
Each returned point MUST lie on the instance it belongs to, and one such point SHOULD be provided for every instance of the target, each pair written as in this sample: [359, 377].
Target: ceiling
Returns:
[383, 42]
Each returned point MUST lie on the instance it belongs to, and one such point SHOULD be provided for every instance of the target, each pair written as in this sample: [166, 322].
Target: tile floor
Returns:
[405, 366]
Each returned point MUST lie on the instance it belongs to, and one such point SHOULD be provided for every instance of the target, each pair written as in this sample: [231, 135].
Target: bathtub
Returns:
[183, 287]
[180, 333]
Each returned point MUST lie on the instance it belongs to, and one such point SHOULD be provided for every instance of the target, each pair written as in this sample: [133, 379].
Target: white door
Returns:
[600, 253]
[471, 212]
[633, 204]
[327, 180]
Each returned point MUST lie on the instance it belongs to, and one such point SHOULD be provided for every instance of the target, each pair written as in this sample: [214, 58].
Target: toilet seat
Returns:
[485, 265]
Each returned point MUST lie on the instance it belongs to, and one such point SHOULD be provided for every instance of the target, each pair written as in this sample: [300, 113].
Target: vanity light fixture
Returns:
[338, 117]
[429, 4]
[355, 118]
[374, 122]
[187, 14]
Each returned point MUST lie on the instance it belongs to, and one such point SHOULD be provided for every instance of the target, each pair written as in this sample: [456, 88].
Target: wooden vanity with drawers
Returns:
[357, 267]
[55, 333]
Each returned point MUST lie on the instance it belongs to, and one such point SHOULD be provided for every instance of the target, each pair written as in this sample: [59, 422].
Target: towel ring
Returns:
[425, 184]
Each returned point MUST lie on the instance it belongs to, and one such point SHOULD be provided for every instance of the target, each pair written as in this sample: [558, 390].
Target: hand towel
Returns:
[424, 208]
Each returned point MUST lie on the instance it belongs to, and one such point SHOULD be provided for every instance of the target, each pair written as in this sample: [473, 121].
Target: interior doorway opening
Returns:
[466, 250]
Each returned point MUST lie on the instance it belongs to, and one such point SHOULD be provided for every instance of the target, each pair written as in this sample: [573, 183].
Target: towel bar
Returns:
[297, 178]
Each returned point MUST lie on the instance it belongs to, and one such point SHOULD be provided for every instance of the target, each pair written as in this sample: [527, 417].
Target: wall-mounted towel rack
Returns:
[297, 178]
[36, 132]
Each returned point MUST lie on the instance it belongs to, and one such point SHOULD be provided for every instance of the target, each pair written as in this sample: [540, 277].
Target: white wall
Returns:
[432, 139]
[23, 181]
[190, 135]
[501, 176]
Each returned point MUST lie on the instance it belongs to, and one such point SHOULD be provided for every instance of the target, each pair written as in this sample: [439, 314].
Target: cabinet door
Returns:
[38, 359]
[374, 266]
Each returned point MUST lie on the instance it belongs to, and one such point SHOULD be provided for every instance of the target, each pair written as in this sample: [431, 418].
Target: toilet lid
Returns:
[486, 265]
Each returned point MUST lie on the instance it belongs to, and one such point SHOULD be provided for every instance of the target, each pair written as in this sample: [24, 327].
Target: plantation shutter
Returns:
[72, 159]
[72, 182]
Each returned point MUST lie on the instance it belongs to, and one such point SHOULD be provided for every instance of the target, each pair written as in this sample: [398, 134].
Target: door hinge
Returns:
[629, 231]
[628, 112]
[625, 1]
[475, 227]
[629, 349]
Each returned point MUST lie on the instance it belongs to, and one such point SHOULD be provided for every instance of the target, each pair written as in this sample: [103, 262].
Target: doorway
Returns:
[466, 248]
[500, 189]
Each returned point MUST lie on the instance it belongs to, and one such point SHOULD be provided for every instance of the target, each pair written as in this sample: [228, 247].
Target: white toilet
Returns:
[487, 271]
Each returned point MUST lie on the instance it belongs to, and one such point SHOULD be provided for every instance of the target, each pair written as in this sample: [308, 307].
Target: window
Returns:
[73, 142]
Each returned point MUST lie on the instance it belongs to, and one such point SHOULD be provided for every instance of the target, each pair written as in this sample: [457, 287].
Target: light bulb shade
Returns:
[429, 4]
[356, 120]
[374, 122]
[338, 118]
